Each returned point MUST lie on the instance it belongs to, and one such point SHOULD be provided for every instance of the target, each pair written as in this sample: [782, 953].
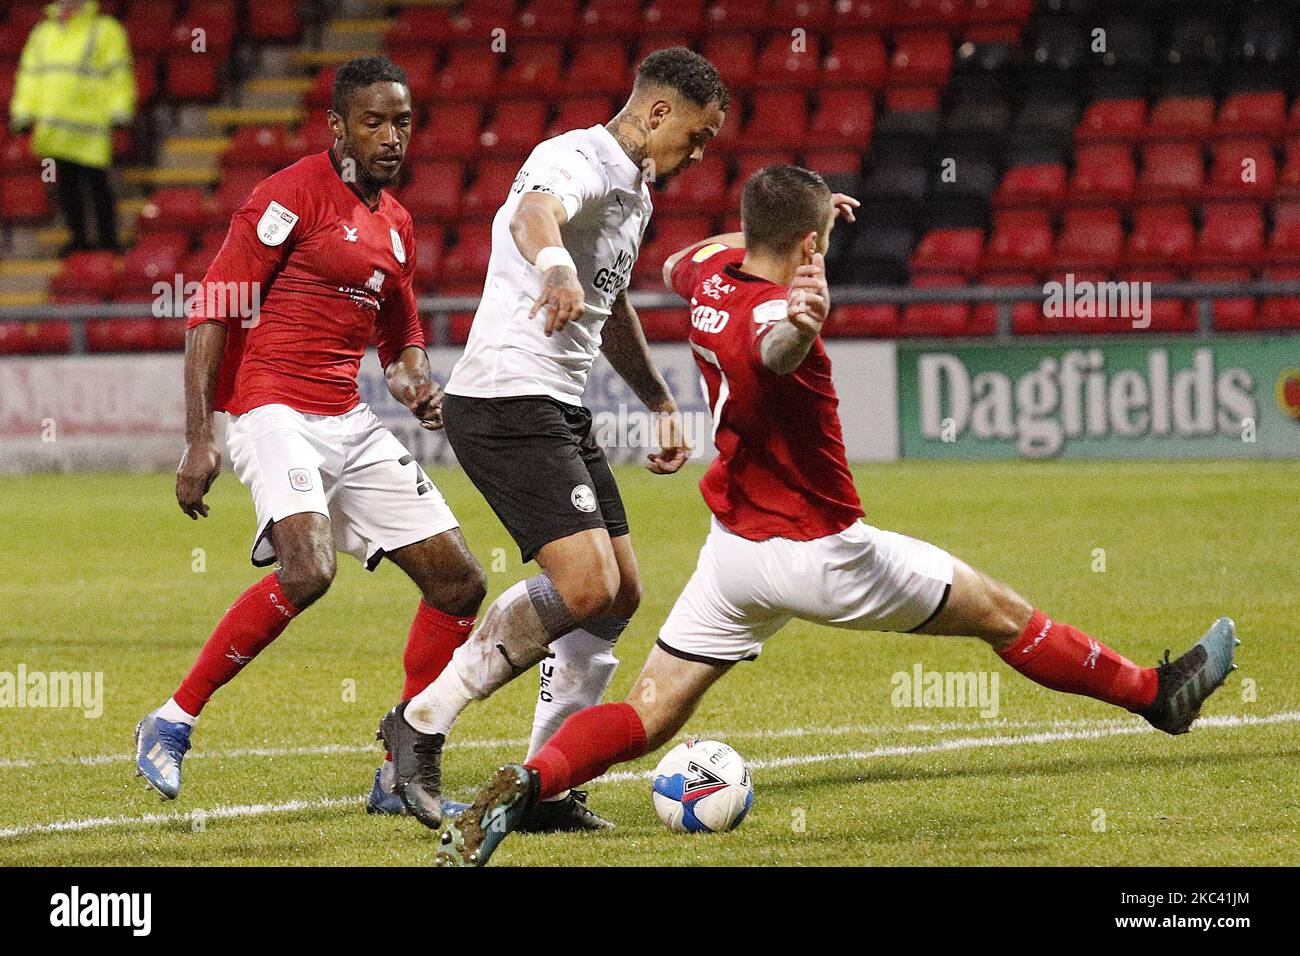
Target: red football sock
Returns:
[588, 744]
[1064, 658]
[434, 637]
[257, 617]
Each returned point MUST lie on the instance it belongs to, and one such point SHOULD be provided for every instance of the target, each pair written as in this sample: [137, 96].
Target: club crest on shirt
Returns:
[399, 250]
[275, 225]
[583, 498]
[300, 479]
[765, 313]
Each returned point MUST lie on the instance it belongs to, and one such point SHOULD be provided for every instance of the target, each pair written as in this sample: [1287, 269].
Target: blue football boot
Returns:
[470, 838]
[160, 746]
[382, 799]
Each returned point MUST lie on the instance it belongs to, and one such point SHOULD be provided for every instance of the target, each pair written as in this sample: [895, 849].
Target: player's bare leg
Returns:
[576, 677]
[304, 546]
[514, 636]
[591, 741]
[452, 587]
[1064, 658]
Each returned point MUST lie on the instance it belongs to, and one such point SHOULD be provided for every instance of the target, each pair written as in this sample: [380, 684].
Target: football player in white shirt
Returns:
[563, 246]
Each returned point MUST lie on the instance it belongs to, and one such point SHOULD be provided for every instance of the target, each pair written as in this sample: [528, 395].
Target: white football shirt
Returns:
[608, 202]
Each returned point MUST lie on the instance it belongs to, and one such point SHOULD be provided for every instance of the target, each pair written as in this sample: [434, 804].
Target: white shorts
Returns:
[743, 592]
[347, 467]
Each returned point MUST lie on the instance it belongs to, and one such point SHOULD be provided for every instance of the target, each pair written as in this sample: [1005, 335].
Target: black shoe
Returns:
[569, 814]
[417, 766]
[1185, 683]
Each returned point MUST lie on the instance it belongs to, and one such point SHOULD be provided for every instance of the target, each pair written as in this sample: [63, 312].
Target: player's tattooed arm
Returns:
[535, 226]
[624, 345]
[205, 345]
[785, 346]
[411, 383]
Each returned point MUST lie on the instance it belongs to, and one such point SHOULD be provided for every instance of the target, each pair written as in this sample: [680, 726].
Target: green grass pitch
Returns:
[101, 573]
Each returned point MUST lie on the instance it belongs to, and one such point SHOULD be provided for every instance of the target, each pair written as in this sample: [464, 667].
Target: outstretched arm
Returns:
[625, 348]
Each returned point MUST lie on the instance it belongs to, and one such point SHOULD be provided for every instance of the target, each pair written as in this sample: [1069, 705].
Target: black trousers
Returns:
[77, 183]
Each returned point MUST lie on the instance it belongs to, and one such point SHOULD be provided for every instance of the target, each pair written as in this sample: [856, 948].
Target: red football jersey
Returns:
[781, 471]
[332, 272]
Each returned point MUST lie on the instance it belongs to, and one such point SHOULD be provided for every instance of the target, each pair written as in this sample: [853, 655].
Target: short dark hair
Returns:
[685, 71]
[782, 204]
[361, 72]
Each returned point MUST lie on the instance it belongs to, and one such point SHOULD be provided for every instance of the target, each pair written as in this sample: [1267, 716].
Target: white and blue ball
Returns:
[702, 786]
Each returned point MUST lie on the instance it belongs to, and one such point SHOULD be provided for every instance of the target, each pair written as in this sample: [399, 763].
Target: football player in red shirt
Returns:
[330, 256]
[787, 540]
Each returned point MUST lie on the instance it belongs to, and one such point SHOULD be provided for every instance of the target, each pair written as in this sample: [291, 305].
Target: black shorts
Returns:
[535, 461]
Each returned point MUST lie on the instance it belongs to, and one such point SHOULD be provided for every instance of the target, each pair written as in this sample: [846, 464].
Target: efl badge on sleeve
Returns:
[275, 225]
[1288, 392]
[399, 250]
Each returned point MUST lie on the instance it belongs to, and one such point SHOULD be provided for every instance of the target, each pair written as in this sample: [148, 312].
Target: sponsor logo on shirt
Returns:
[715, 287]
[275, 225]
[350, 233]
[765, 313]
[583, 498]
[376, 282]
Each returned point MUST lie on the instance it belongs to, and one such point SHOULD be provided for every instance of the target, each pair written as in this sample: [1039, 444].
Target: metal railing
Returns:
[440, 308]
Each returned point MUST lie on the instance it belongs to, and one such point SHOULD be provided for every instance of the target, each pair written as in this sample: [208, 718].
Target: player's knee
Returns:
[628, 599]
[461, 596]
[589, 590]
[1006, 612]
[305, 582]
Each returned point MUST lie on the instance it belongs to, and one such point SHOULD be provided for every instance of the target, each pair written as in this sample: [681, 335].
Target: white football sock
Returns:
[173, 712]
[434, 709]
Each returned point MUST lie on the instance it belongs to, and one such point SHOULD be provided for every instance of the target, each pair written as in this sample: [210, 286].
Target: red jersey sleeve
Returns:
[261, 236]
[398, 325]
[687, 270]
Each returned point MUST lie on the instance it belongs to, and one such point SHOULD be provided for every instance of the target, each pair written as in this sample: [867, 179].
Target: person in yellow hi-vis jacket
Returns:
[75, 83]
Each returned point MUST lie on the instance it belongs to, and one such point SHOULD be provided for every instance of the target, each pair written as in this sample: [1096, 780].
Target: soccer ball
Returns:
[702, 786]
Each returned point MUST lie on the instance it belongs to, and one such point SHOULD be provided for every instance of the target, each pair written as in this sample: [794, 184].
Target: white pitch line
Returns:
[960, 743]
[780, 733]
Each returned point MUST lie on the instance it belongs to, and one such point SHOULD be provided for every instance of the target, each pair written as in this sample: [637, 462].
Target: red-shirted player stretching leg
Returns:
[787, 540]
[331, 257]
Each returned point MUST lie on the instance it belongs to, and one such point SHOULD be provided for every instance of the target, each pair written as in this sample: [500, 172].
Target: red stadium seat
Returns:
[149, 26]
[261, 147]
[783, 65]
[1236, 313]
[474, 24]
[995, 12]
[535, 69]
[16, 154]
[844, 119]
[421, 27]
[145, 69]
[322, 89]
[1288, 181]
[984, 318]
[1242, 169]
[810, 15]
[155, 258]
[1103, 174]
[192, 76]
[779, 119]
[1278, 311]
[1284, 242]
[515, 130]
[273, 22]
[1112, 120]
[173, 208]
[490, 188]
[935, 318]
[856, 60]
[1034, 186]
[612, 18]
[429, 243]
[598, 66]
[1098, 321]
[1167, 315]
[1162, 236]
[420, 65]
[875, 320]
[1017, 248]
[23, 199]
[468, 258]
[1252, 114]
[862, 14]
[921, 58]
[1171, 171]
[734, 56]
[673, 16]
[123, 335]
[25, 338]
[1181, 117]
[1089, 239]
[702, 189]
[91, 274]
[547, 19]
[749, 164]
[730, 17]
[452, 132]
[581, 112]
[1231, 234]
[948, 250]
[218, 18]
[831, 161]
[467, 74]
[434, 190]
